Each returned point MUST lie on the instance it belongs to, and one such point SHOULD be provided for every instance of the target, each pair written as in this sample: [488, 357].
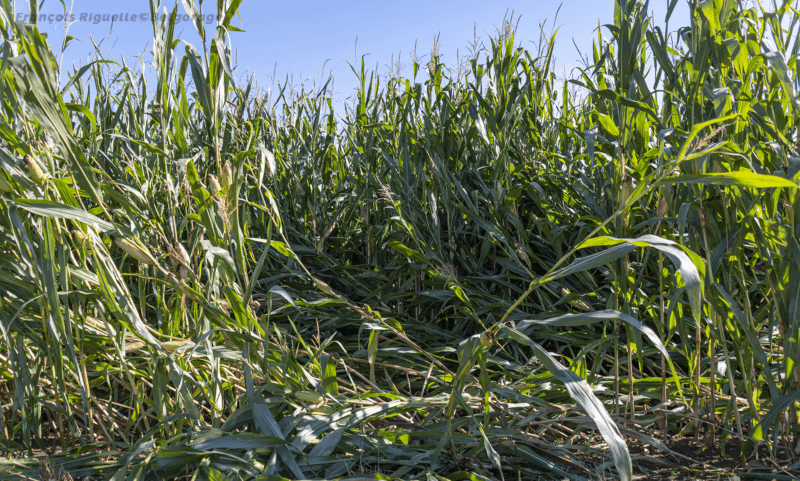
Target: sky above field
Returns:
[297, 39]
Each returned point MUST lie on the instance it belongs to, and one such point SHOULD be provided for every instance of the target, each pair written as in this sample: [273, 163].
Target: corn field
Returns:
[479, 272]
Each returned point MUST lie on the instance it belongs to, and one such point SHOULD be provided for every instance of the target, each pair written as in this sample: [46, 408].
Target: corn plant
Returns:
[478, 272]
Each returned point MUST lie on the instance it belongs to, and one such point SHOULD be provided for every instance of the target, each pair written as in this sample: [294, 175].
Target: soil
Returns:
[693, 460]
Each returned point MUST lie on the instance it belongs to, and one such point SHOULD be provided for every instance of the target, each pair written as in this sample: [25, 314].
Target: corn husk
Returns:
[169, 346]
[522, 255]
[627, 188]
[663, 207]
[79, 237]
[180, 261]
[214, 185]
[134, 346]
[576, 303]
[226, 176]
[135, 249]
[223, 304]
[35, 170]
[310, 397]
[95, 322]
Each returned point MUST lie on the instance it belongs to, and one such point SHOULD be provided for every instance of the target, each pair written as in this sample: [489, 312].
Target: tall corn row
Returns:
[469, 270]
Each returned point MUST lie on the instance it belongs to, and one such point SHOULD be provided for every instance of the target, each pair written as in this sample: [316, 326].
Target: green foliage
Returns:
[450, 280]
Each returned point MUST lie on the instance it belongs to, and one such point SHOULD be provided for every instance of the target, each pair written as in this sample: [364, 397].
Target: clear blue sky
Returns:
[297, 38]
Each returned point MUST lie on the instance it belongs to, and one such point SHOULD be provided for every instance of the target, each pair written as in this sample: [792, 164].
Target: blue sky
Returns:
[297, 38]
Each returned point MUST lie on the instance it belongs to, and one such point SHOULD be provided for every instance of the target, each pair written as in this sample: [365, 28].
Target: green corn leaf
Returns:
[582, 393]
